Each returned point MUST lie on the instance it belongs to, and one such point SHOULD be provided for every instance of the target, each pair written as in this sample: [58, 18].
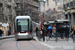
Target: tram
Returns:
[23, 27]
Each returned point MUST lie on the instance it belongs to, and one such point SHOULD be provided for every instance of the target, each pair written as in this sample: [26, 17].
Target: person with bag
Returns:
[43, 35]
[72, 31]
[74, 34]
[54, 31]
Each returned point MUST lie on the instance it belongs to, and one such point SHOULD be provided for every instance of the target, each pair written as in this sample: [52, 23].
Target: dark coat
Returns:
[43, 31]
[9, 32]
[73, 32]
[36, 29]
[66, 30]
[1, 32]
[49, 30]
[58, 30]
[61, 30]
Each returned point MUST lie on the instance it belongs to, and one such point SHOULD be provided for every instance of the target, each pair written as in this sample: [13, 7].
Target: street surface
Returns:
[12, 44]
[61, 44]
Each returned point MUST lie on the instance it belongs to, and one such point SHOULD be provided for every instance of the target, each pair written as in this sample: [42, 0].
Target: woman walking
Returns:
[43, 31]
[74, 34]
[54, 31]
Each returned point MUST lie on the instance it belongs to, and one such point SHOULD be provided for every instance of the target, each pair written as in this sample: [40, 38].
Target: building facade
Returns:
[50, 4]
[69, 10]
[59, 8]
[50, 8]
[7, 14]
[28, 7]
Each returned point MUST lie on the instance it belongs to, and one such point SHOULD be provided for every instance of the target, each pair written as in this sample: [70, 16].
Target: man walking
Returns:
[50, 31]
[66, 32]
[1, 32]
[36, 31]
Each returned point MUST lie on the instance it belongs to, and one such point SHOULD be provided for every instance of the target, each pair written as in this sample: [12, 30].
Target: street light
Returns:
[42, 10]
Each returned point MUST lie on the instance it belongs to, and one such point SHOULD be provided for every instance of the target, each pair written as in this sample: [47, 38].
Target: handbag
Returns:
[45, 34]
[72, 32]
[40, 32]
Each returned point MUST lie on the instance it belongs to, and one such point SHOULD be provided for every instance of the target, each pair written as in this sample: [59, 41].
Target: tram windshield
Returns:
[22, 25]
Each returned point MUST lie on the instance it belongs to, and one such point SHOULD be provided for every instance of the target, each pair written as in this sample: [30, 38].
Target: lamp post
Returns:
[42, 10]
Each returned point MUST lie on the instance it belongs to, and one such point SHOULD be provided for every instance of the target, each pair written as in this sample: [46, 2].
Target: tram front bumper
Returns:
[23, 36]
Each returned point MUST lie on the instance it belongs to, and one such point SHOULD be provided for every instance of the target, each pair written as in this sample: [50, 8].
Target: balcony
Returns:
[17, 1]
[1, 12]
[18, 9]
[33, 3]
[1, 1]
[14, 5]
[9, 3]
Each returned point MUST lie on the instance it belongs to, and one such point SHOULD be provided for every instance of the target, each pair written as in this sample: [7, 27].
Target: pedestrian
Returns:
[66, 32]
[36, 31]
[43, 31]
[54, 31]
[9, 32]
[72, 31]
[50, 32]
[74, 34]
[62, 31]
[1, 32]
[58, 31]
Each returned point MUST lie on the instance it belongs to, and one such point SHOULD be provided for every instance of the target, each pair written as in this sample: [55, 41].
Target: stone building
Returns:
[59, 8]
[28, 7]
[69, 10]
[50, 9]
[7, 14]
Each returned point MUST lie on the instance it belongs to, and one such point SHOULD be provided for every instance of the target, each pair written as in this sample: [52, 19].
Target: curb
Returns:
[6, 37]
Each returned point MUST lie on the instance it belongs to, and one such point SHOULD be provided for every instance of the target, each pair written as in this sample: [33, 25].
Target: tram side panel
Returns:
[34, 24]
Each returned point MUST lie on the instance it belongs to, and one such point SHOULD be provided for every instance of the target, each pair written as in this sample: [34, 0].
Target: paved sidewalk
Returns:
[5, 37]
[61, 44]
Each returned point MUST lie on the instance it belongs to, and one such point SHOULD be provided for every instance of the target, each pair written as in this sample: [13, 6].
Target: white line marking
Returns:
[47, 45]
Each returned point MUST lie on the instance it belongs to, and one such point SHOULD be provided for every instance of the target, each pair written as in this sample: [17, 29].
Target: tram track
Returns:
[3, 42]
[17, 46]
[34, 45]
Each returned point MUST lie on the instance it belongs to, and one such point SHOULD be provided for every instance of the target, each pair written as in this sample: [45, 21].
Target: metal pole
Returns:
[42, 10]
[69, 25]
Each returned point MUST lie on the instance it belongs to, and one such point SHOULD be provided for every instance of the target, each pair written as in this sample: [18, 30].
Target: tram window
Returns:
[22, 25]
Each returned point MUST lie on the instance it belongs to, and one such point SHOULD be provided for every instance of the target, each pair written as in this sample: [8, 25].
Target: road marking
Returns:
[47, 45]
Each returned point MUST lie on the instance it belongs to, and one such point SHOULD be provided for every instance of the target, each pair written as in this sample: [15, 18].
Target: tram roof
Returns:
[62, 20]
[18, 17]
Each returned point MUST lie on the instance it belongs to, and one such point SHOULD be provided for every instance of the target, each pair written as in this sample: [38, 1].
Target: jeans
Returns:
[73, 38]
[54, 34]
[59, 34]
[62, 35]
